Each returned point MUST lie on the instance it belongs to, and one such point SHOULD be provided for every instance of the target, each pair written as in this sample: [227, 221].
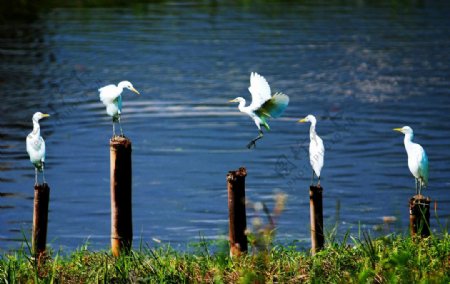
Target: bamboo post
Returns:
[121, 213]
[316, 218]
[419, 215]
[236, 209]
[40, 220]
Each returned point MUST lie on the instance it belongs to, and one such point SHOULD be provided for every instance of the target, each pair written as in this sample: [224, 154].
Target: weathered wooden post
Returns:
[121, 213]
[419, 215]
[236, 209]
[40, 220]
[316, 215]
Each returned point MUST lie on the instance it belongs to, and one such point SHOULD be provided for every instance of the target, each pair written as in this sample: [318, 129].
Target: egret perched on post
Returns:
[316, 148]
[36, 146]
[111, 97]
[417, 158]
[263, 105]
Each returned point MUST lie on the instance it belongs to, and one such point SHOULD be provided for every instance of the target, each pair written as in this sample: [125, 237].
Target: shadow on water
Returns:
[361, 67]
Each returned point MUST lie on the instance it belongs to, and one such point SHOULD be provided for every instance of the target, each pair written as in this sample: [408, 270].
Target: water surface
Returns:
[361, 69]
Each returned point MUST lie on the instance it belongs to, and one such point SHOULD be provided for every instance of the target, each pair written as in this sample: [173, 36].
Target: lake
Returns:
[361, 68]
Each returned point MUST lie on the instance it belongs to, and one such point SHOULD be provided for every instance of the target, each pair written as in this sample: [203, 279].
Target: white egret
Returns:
[263, 105]
[316, 148]
[111, 97]
[36, 146]
[417, 158]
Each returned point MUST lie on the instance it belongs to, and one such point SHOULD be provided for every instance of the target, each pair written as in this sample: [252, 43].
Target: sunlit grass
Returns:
[391, 259]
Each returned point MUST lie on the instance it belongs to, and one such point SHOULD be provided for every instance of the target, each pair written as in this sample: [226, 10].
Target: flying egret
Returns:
[263, 105]
[36, 146]
[417, 158]
[110, 96]
[316, 148]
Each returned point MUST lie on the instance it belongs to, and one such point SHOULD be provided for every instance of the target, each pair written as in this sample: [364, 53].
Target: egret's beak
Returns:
[232, 101]
[45, 115]
[302, 120]
[397, 129]
[134, 90]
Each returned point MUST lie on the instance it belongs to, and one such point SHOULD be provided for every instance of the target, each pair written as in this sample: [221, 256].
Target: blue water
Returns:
[361, 68]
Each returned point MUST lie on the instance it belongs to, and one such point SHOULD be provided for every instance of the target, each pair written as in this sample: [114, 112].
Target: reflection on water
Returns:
[362, 70]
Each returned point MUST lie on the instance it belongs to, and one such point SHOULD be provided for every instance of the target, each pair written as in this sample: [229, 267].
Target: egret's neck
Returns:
[312, 131]
[36, 128]
[408, 140]
[121, 85]
[242, 106]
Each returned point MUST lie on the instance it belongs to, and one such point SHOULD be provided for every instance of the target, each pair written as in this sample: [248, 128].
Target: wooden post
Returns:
[40, 220]
[121, 213]
[419, 215]
[316, 215]
[236, 209]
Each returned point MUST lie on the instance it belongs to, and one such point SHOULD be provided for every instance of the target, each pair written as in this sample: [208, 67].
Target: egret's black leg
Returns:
[318, 182]
[114, 129]
[417, 186]
[312, 178]
[253, 142]
[35, 176]
[120, 126]
[420, 187]
[43, 174]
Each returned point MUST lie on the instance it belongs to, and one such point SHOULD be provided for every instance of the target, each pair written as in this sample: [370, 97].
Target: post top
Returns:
[315, 187]
[420, 198]
[241, 172]
[315, 190]
[120, 140]
[43, 186]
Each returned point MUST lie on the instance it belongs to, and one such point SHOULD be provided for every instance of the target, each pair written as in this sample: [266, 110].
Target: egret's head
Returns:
[237, 100]
[404, 130]
[309, 118]
[39, 115]
[129, 86]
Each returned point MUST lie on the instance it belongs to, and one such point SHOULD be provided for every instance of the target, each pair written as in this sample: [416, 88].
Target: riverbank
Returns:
[391, 259]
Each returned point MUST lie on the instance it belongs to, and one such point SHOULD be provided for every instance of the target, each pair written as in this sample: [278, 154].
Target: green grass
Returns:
[391, 259]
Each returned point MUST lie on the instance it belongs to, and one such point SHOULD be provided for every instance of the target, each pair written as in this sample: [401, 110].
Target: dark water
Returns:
[361, 69]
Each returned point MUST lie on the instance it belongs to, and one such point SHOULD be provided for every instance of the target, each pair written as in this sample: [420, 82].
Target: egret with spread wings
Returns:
[263, 106]
[111, 97]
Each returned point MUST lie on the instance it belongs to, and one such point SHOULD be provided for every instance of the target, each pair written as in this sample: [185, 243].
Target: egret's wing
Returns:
[274, 107]
[260, 90]
[106, 88]
[109, 93]
[119, 104]
[33, 144]
[30, 145]
[317, 158]
[36, 150]
[42, 149]
[423, 165]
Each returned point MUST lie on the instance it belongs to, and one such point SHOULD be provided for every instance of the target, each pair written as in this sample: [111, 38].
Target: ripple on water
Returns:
[362, 70]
